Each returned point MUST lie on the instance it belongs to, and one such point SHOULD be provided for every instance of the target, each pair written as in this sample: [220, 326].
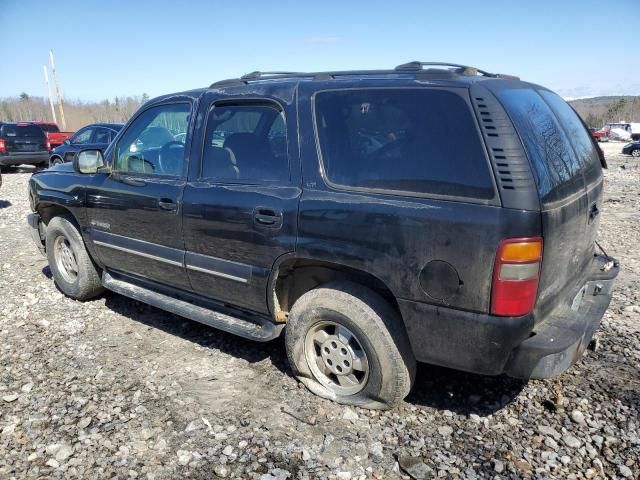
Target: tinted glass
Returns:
[48, 127]
[245, 144]
[556, 168]
[578, 135]
[149, 145]
[83, 136]
[22, 131]
[102, 135]
[409, 140]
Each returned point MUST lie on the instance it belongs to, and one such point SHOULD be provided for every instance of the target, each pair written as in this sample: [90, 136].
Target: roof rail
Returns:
[411, 67]
[416, 66]
[258, 75]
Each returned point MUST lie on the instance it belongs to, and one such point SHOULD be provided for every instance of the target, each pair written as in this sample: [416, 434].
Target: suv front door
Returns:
[135, 213]
[241, 203]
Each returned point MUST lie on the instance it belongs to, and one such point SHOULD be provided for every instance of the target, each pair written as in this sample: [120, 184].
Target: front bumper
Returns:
[31, 158]
[517, 346]
[33, 219]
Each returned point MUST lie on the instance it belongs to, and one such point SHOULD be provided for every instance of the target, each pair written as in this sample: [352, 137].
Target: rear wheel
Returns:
[73, 270]
[636, 152]
[345, 343]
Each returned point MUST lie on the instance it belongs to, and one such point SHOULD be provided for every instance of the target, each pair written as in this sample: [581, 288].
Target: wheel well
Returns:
[296, 277]
[50, 211]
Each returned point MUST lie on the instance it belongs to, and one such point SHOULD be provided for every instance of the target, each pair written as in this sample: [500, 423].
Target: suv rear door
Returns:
[241, 201]
[568, 176]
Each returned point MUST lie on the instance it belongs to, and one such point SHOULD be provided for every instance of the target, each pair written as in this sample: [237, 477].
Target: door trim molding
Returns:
[135, 252]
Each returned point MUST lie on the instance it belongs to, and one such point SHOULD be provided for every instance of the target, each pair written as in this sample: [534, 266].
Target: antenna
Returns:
[46, 80]
[58, 94]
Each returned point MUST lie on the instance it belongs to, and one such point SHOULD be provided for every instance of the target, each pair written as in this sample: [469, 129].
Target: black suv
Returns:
[23, 143]
[445, 215]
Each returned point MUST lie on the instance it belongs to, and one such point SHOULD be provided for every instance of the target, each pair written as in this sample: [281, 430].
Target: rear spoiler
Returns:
[603, 161]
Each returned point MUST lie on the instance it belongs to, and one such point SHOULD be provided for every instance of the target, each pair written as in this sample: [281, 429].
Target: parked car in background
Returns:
[97, 135]
[601, 135]
[53, 133]
[23, 143]
[626, 130]
[632, 149]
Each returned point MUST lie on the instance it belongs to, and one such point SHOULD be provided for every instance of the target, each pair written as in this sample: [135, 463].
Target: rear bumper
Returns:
[26, 157]
[517, 346]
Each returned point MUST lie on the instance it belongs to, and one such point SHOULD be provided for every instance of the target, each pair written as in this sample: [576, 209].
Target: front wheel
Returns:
[635, 152]
[55, 161]
[73, 270]
[345, 343]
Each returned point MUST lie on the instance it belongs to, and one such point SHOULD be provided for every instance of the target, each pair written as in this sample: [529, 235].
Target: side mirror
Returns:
[88, 161]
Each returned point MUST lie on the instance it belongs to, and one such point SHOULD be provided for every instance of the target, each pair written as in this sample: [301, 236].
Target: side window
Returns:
[245, 143]
[101, 136]
[83, 136]
[420, 141]
[149, 146]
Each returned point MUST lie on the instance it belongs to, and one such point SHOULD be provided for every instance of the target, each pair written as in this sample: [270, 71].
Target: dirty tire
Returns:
[86, 283]
[377, 327]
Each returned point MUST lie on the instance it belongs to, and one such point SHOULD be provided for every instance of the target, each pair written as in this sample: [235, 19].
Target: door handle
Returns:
[267, 217]
[593, 212]
[167, 204]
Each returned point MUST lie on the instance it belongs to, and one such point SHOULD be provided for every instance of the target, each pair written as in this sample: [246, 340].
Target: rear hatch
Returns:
[568, 176]
[23, 138]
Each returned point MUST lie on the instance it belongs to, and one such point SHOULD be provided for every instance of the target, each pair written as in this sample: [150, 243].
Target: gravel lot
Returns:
[114, 389]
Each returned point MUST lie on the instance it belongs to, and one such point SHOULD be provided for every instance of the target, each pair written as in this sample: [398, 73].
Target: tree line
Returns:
[596, 111]
[77, 113]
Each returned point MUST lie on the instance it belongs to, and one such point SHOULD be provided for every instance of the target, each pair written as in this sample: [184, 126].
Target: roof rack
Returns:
[257, 75]
[411, 67]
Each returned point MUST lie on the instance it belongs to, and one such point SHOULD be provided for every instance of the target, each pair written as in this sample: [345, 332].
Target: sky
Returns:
[114, 48]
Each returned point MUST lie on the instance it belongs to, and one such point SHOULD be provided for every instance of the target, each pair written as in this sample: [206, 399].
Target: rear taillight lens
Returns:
[48, 145]
[515, 276]
[3, 148]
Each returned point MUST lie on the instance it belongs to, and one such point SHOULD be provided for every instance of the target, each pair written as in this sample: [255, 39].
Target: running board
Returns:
[261, 332]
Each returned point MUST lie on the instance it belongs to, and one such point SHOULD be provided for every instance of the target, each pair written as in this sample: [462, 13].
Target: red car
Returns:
[53, 133]
[601, 135]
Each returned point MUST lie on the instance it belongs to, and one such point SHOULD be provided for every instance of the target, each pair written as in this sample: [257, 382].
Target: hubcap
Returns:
[636, 153]
[336, 358]
[65, 259]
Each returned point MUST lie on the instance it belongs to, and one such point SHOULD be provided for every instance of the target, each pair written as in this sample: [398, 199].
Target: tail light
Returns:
[48, 145]
[3, 148]
[515, 276]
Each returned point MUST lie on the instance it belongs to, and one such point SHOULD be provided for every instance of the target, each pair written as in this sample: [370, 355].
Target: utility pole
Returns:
[58, 94]
[46, 80]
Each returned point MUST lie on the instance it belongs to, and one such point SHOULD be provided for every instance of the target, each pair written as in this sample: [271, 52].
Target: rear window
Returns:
[22, 131]
[556, 167]
[581, 140]
[48, 127]
[402, 140]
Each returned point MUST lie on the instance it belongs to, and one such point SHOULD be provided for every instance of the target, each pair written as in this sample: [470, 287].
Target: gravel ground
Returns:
[112, 388]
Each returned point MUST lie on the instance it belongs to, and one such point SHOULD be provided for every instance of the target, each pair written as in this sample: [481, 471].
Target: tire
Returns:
[55, 161]
[635, 152]
[378, 344]
[66, 252]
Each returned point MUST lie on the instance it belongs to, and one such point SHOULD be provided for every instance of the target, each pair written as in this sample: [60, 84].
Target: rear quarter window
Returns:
[556, 168]
[416, 141]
